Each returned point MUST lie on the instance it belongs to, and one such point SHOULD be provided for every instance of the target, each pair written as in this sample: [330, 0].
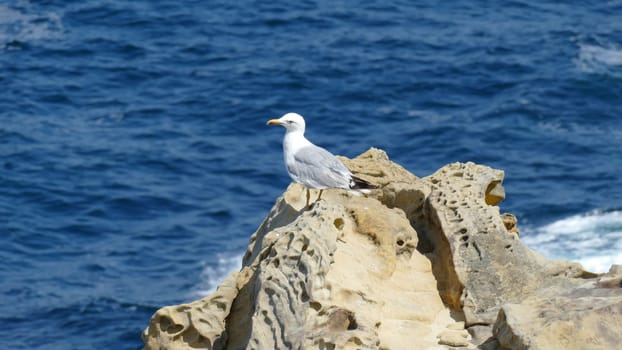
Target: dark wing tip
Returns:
[357, 183]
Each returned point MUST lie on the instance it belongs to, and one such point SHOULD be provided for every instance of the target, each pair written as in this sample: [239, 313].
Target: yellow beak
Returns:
[274, 122]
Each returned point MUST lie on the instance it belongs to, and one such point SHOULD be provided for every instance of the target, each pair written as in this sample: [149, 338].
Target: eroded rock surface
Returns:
[484, 265]
[588, 316]
[418, 264]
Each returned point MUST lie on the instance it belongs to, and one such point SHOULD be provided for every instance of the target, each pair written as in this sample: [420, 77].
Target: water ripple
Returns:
[135, 160]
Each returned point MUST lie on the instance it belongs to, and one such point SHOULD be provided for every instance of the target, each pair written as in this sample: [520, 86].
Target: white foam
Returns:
[214, 274]
[430, 116]
[600, 263]
[593, 239]
[598, 59]
[16, 25]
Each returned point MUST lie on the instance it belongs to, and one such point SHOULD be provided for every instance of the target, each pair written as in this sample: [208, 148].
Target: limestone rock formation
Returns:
[418, 264]
[586, 317]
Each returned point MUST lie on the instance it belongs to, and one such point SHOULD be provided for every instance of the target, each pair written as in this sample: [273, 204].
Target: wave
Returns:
[594, 239]
[599, 59]
[17, 27]
[214, 274]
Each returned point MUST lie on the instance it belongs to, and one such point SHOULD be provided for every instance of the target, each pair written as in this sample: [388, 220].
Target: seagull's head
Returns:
[290, 121]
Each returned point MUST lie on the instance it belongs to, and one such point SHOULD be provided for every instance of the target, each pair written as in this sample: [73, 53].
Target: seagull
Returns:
[311, 165]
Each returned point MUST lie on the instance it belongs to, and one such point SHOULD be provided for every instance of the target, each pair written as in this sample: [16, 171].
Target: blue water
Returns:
[135, 161]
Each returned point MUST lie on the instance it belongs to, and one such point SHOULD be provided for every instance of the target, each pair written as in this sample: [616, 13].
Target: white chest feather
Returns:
[292, 143]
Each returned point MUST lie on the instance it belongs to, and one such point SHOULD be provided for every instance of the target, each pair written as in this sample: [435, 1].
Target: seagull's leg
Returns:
[308, 196]
[318, 198]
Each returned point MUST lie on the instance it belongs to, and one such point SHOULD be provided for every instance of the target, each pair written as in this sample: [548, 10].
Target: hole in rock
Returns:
[326, 346]
[303, 268]
[338, 223]
[219, 305]
[315, 305]
[165, 322]
[356, 340]
[174, 329]
[303, 293]
[352, 321]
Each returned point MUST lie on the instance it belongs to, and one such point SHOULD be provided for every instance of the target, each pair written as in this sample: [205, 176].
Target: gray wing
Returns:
[315, 167]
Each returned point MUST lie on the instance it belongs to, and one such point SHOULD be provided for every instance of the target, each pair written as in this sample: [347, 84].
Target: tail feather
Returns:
[357, 183]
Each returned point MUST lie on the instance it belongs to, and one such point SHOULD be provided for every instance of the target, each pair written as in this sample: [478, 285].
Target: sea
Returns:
[135, 162]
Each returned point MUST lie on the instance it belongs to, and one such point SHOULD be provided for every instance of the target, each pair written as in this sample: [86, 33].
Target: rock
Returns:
[200, 324]
[510, 223]
[407, 267]
[586, 317]
[453, 338]
[480, 265]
